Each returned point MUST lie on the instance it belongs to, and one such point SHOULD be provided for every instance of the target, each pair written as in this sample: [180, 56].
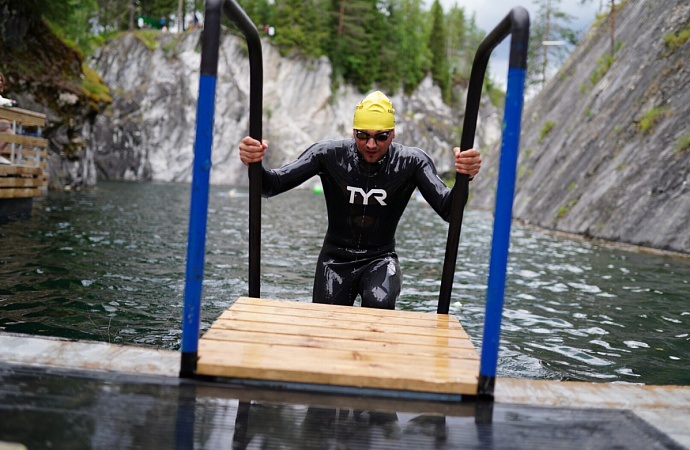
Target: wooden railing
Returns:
[26, 153]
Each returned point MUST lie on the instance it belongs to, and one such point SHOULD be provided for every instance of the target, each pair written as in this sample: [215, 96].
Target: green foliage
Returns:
[546, 129]
[260, 11]
[521, 171]
[170, 48]
[148, 38]
[651, 118]
[298, 27]
[619, 44]
[603, 65]
[355, 30]
[496, 95]
[683, 143]
[566, 209]
[550, 23]
[408, 29]
[437, 47]
[387, 43]
[675, 40]
[94, 87]
[456, 36]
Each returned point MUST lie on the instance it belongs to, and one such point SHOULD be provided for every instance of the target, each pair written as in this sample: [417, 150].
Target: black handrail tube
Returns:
[210, 41]
[247, 27]
[517, 24]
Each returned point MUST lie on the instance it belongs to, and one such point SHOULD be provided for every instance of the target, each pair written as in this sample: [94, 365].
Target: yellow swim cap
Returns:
[375, 112]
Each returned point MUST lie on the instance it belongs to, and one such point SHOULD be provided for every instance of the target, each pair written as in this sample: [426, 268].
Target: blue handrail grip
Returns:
[502, 221]
[198, 214]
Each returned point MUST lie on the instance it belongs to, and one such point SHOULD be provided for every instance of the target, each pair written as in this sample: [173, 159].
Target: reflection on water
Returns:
[109, 265]
[44, 409]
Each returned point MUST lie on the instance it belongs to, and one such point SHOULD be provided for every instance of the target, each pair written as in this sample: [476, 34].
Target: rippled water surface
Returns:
[109, 264]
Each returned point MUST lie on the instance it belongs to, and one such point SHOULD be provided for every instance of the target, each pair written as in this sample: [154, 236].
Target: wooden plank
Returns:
[350, 325]
[328, 356]
[376, 336]
[343, 343]
[350, 313]
[21, 171]
[19, 193]
[24, 116]
[27, 153]
[19, 182]
[342, 368]
[340, 345]
[27, 141]
[308, 306]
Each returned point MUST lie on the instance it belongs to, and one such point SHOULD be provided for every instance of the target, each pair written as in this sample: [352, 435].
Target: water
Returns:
[108, 265]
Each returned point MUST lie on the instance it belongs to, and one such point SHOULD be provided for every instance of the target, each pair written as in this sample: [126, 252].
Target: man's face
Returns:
[373, 144]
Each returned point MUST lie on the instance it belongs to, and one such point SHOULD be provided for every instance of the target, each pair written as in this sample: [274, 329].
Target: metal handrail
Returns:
[202, 166]
[517, 24]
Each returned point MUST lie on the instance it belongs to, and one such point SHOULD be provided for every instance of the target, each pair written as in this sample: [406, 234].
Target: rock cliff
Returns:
[148, 132]
[604, 148]
[47, 76]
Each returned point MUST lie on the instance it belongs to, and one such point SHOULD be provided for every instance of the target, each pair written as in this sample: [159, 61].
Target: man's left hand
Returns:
[468, 162]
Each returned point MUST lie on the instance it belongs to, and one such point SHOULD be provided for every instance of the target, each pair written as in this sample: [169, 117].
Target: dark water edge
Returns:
[108, 265]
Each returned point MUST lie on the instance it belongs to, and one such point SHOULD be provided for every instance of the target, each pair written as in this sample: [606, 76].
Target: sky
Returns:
[489, 13]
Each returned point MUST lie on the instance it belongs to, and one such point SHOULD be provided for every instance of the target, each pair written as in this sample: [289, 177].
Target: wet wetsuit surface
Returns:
[365, 202]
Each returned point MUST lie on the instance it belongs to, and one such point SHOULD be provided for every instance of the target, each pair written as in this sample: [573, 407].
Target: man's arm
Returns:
[276, 181]
[434, 190]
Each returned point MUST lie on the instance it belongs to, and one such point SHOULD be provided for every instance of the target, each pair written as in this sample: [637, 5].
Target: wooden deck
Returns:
[340, 346]
[27, 172]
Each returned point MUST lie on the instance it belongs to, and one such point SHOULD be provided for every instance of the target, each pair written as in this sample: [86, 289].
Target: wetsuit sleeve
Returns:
[276, 181]
[433, 189]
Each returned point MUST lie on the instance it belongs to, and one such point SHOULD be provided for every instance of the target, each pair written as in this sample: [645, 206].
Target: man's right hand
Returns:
[251, 150]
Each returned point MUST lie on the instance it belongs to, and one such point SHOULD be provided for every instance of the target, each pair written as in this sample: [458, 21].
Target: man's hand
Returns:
[468, 162]
[251, 150]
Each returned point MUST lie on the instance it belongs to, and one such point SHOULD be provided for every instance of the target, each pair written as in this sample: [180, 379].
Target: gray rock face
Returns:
[601, 170]
[69, 120]
[148, 133]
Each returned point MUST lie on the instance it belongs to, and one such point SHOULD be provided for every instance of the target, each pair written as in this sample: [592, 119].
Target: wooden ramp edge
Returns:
[309, 343]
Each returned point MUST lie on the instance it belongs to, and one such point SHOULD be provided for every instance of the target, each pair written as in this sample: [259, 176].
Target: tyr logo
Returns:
[379, 194]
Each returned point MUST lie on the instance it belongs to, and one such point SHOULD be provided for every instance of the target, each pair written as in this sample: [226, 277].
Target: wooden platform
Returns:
[332, 345]
[27, 173]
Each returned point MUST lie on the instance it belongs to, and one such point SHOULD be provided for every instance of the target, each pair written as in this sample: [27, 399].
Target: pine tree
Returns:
[438, 49]
[297, 26]
[548, 28]
[353, 47]
[411, 49]
[260, 11]
[455, 26]
[389, 68]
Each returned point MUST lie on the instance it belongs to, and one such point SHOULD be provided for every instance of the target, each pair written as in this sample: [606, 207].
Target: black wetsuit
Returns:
[365, 202]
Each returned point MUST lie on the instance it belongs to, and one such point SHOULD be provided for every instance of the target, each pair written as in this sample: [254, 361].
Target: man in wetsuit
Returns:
[367, 181]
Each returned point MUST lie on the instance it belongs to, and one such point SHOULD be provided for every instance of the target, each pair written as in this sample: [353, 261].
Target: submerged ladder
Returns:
[336, 349]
